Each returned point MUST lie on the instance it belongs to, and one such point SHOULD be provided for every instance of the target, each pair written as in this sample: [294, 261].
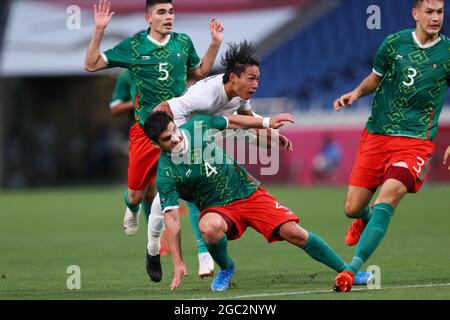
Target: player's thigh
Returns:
[392, 191]
[293, 233]
[356, 200]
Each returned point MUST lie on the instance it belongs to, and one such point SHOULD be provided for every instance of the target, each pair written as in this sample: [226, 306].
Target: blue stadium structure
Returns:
[333, 54]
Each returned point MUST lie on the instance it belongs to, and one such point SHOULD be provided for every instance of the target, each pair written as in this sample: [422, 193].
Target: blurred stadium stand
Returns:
[331, 55]
[55, 126]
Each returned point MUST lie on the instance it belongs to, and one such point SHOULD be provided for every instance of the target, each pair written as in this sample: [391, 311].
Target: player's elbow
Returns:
[89, 68]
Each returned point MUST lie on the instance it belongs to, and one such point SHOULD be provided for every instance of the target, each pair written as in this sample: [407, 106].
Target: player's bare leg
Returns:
[392, 191]
[356, 207]
[213, 228]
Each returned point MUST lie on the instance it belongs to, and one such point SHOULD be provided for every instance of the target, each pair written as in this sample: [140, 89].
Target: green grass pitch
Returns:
[44, 232]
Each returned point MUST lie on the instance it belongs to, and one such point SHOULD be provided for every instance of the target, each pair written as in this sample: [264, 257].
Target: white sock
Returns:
[155, 227]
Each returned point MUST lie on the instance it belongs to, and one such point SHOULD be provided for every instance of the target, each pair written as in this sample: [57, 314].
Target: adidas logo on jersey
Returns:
[145, 57]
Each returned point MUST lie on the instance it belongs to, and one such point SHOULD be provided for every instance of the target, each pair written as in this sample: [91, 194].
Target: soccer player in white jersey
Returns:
[218, 95]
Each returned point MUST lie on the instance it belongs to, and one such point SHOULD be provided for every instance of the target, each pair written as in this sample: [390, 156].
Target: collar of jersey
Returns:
[424, 46]
[159, 44]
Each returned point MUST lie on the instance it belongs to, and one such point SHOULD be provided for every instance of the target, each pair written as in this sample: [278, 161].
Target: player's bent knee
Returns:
[351, 210]
[293, 233]
[212, 227]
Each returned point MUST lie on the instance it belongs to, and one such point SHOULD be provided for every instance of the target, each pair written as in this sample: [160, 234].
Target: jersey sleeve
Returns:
[168, 192]
[220, 122]
[119, 56]
[193, 60]
[382, 59]
[122, 89]
[193, 100]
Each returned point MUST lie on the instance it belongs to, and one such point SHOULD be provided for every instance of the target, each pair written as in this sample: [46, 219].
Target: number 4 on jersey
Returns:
[210, 170]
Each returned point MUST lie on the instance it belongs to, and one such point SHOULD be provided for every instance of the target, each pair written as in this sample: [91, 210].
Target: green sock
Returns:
[133, 207]
[194, 215]
[320, 251]
[366, 214]
[147, 206]
[372, 235]
[219, 253]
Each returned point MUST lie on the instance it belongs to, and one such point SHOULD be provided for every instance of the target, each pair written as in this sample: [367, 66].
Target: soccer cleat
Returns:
[223, 279]
[153, 267]
[343, 281]
[354, 232]
[205, 265]
[131, 222]
[362, 278]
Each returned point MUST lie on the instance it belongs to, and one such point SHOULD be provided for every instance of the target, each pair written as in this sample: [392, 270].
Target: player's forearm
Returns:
[173, 229]
[164, 107]
[122, 108]
[368, 85]
[208, 60]
[246, 122]
[94, 60]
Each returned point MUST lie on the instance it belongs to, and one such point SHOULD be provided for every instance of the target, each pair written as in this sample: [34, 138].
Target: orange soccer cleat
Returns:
[343, 281]
[354, 232]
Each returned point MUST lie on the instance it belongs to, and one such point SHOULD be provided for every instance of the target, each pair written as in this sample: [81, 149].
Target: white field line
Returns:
[295, 293]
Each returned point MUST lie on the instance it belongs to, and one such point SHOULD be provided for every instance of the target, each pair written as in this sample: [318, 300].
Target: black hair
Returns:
[153, 2]
[237, 58]
[156, 124]
[417, 3]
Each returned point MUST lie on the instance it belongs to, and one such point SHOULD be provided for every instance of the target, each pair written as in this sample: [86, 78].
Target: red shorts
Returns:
[142, 159]
[261, 211]
[377, 153]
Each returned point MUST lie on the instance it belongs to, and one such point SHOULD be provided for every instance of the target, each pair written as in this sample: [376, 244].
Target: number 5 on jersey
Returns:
[164, 72]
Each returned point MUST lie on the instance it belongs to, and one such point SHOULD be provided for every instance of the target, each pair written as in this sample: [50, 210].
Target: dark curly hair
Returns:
[156, 124]
[237, 58]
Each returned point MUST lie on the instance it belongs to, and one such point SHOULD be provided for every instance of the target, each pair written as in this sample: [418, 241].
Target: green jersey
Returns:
[202, 173]
[415, 79]
[124, 90]
[158, 70]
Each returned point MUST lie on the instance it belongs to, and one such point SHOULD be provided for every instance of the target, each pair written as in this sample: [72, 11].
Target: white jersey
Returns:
[206, 97]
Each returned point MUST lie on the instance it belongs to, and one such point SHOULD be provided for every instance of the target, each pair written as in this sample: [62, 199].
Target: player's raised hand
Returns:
[279, 120]
[216, 28]
[447, 157]
[179, 271]
[286, 143]
[102, 14]
[346, 100]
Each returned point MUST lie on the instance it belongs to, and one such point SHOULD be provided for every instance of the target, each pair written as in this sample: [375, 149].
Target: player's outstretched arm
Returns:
[165, 107]
[173, 229]
[245, 122]
[366, 87]
[102, 16]
[447, 157]
[216, 28]
[122, 108]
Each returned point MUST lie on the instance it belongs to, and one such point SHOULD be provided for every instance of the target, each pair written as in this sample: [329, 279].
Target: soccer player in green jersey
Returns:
[410, 78]
[121, 101]
[193, 168]
[159, 61]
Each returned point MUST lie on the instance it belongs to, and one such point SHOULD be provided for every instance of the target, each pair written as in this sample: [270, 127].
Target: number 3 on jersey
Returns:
[412, 73]
[210, 169]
